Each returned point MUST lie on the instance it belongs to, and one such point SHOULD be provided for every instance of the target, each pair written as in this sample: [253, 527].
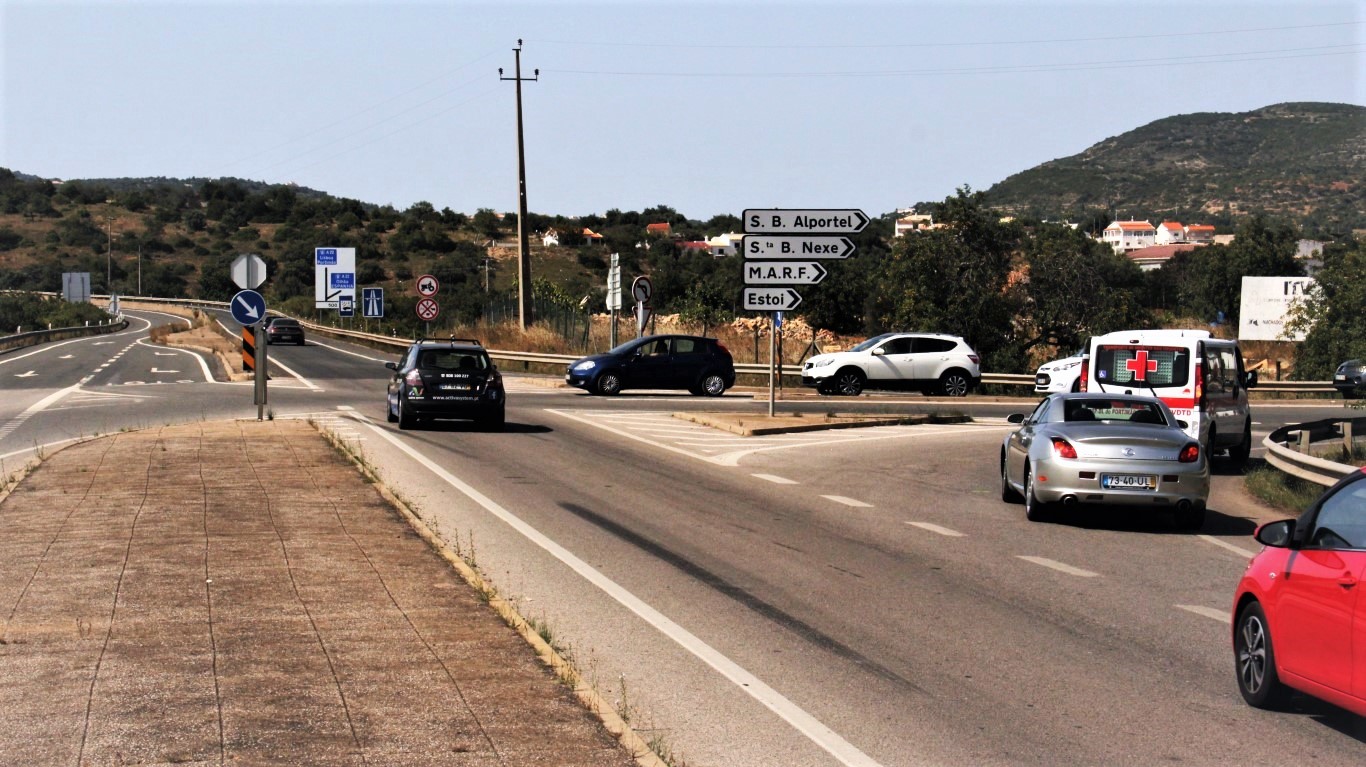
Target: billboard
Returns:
[1265, 306]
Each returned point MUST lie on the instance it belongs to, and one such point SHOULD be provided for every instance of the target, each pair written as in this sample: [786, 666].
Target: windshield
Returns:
[1147, 366]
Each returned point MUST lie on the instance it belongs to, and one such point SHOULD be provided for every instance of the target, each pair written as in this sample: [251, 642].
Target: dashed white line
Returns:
[775, 479]
[1209, 612]
[856, 503]
[1059, 566]
[945, 531]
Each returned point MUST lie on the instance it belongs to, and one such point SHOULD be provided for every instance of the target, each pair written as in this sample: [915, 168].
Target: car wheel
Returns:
[389, 412]
[1035, 510]
[849, 382]
[1255, 660]
[1008, 493]
[405, 419]
[609, 384]
[825, 388]
[713, 385]
[1243, 450]
[1211, 440]
[954, 383]
[1076, 385]
[495, 420]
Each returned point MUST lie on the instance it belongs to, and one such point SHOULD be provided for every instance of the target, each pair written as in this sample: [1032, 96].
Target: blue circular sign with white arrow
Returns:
[248, 307]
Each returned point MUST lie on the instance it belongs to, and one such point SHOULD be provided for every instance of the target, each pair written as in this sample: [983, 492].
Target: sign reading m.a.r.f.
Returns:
[784, 272]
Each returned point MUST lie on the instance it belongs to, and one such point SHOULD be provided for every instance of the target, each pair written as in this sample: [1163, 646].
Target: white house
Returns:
[1170, 233]
[1200, 233]
[727, 244]
[913, 223]
[550, 237]
[1125, 236]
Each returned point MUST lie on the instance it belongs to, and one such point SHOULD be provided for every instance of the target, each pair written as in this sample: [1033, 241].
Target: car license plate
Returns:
[1128, 481]
[456, 387]
[1340, 377]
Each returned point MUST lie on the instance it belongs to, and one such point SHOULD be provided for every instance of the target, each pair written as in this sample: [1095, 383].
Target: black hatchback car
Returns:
[453, 378]
[700, 365]
[1350, 378]
[280, 330]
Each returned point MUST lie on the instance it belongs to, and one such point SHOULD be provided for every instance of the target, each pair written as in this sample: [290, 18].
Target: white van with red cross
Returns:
[1201, 378]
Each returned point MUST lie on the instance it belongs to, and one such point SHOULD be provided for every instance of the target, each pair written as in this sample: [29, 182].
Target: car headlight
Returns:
[585, 365]
[821, 363]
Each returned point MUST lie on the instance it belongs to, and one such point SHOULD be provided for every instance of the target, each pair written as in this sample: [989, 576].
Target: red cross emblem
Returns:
[1140, 365]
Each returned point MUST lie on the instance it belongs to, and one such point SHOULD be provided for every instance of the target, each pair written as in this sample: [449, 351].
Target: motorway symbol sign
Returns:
[771, 299]
[427, 309]
[784, 272]
[816, 221]
[248, 271]
[372, 302]
[427, 286]
[796, 246]
[248, 307]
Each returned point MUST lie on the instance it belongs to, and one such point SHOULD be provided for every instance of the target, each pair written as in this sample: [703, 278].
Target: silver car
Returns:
[1079, 449]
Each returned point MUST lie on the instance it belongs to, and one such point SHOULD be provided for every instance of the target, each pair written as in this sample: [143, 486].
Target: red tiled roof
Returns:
[1161, 252]
[664, 227]
[1200, 228]
[1171, 225]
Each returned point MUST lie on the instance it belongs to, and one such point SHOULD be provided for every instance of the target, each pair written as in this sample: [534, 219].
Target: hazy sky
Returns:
[709, 107]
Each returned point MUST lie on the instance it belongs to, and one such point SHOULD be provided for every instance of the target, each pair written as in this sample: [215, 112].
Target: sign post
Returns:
[772, 237]
[614, 296]
[249, 309]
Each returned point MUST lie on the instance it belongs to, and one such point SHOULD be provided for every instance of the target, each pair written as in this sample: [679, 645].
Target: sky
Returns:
[707, 107]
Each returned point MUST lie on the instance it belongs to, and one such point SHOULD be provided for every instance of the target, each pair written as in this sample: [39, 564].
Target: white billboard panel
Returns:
[334, 272]
[1265, 307]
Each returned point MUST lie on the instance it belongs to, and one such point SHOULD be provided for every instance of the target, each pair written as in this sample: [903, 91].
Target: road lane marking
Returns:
[945, 531]
[1225, 544]
[36, 407]
[845, 752]
[1059, 566]
[775, 479]
[848, 501]
[1209, 612]
[203, 366]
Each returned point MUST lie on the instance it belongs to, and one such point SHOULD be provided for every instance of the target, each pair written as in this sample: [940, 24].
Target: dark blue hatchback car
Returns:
[701, 365]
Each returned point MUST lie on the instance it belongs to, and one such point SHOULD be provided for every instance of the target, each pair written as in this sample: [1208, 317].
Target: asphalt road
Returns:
[838, 598]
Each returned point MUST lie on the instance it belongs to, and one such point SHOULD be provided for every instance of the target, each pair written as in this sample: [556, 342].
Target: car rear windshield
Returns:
[1147, 366]
[284, 323]
[1114, 411]
[451, 359]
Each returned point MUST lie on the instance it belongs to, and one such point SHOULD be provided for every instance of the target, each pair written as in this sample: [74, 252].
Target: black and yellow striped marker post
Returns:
[248, 349]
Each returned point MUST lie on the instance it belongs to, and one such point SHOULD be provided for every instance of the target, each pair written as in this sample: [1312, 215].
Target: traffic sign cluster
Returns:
[772, 236]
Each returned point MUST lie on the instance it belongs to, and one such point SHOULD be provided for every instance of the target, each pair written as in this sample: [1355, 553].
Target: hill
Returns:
[1305, 162]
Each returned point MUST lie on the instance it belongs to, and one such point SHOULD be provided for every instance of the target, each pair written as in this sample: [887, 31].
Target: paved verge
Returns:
[236, 593]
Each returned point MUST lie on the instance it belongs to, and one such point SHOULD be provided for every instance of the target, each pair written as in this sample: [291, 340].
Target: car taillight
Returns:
[1063, 449]
[1190, 453]
[1200, 384]
[414, 378]
[975, 359]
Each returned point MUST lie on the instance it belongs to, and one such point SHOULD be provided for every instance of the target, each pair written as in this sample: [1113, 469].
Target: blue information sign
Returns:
[248, 307]
[372, 302]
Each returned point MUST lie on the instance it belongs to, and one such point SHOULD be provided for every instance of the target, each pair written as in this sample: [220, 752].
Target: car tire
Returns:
[389, 413]
[1243, 450]
[1254, 660]
[1035, 510]
[713, 385]
[405, 420]
[955, 383]
[849, 382]
[496, 420]
[608, 384]
[1076, 385]
[1210, 440]
[826, 388]
[1008, 493]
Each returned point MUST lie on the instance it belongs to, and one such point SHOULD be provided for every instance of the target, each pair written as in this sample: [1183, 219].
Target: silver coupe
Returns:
[1079, 449]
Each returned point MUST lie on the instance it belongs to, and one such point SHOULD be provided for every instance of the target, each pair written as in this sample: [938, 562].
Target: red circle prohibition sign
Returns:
[427, 309]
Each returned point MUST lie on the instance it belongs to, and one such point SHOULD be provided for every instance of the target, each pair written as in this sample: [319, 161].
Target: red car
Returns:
[1299, 617]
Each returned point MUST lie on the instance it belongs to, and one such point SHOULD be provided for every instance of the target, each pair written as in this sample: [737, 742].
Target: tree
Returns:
[1077, 287]
[1215, 277]
[1332, 313]
[486, 223]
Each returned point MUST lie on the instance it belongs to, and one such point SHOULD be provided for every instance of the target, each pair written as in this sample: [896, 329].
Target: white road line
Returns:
[1209, 612]
[848, 501]
[1060, 567]
[1226, 545]
[203, 366]
[945, 531]
[287, 369]
[775, 479]
[803, 722]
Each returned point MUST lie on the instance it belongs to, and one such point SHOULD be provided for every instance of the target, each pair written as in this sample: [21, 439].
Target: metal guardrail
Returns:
[1281, 453]
[35, 337]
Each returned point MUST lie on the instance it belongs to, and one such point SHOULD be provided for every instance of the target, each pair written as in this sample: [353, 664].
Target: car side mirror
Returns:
[391, 365]
[1015, 418]
[1277, 535]
[878, 352]
[1250, 380]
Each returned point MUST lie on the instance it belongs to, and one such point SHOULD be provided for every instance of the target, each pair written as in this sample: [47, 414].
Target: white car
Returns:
[933, 363]
[1062, 375]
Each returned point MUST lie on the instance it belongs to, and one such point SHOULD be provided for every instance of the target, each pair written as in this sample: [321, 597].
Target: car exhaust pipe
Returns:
[1069, 501]
[1183, 506]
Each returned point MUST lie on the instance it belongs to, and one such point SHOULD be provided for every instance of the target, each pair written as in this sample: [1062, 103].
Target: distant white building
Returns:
[1203, 233]
[727, 244]
[1125, 236]
[913, 223]
[1170, 233]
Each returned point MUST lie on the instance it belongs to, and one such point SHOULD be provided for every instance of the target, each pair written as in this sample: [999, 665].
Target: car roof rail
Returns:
[451, 340]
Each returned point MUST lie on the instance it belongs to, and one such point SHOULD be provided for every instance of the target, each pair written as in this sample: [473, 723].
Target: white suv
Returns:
[931, 362]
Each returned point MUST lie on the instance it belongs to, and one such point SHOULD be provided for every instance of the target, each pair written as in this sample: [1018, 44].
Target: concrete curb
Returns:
[568, 675]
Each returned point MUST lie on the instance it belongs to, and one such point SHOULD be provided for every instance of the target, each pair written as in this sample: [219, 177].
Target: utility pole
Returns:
[109, 256]
[523, 247]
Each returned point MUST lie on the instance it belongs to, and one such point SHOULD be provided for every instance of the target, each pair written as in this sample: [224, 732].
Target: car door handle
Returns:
[1347, 581]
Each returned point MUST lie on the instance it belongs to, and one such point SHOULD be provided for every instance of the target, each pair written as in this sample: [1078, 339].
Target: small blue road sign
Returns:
[346, 306]
[372, 302]
[248, 307]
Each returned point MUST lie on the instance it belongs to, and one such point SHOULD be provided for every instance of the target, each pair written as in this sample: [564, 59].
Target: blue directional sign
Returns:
[372, 302]
[248, 307]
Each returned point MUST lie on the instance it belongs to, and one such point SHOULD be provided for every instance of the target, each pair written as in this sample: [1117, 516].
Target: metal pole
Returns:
[260, 380]
[772, 352]
[524, 292]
